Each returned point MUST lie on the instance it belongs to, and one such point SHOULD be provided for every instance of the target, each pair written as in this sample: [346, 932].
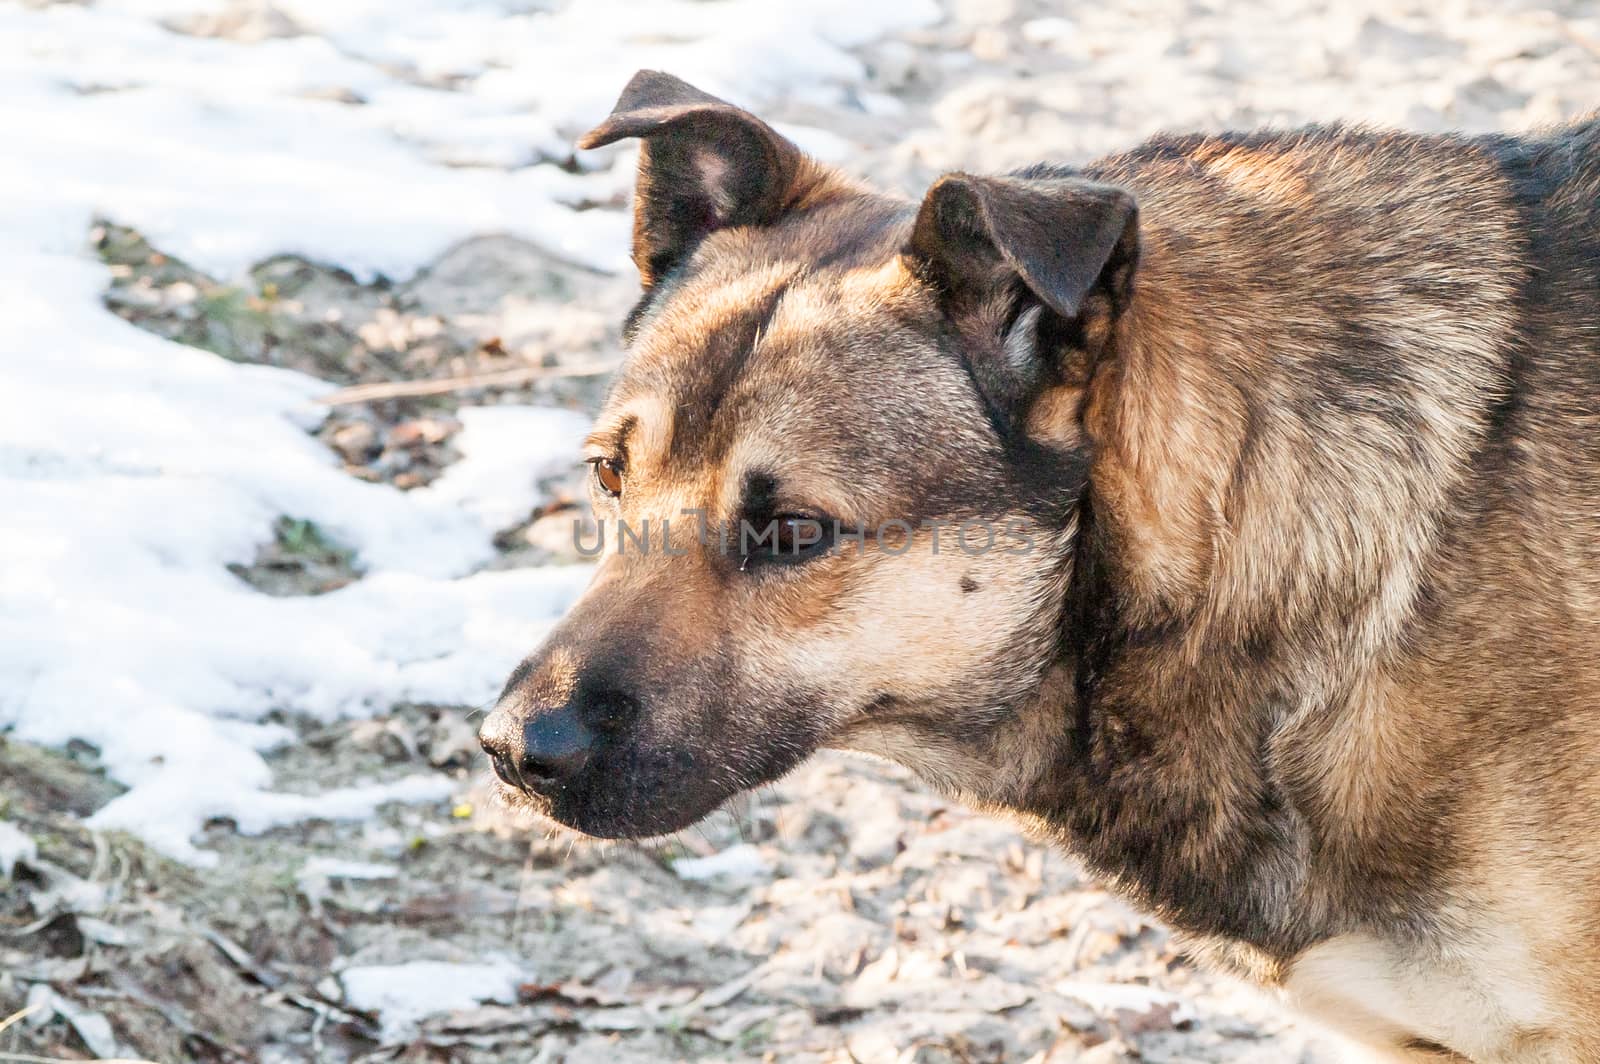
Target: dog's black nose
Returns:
[537, 753]
[555, 747]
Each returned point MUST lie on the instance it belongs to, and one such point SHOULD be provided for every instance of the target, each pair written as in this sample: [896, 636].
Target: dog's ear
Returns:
[705, 165]
[1033, 267]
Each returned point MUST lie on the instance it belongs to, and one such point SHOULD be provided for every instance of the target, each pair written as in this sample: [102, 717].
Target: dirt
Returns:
[859, 918]
[869, 920]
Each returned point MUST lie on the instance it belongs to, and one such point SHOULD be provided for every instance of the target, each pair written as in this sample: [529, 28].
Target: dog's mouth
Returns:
[631, 792]
[600, 819]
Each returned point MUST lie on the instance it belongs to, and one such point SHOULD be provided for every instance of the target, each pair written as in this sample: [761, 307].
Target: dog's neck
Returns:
[1146, 748]
[1163, 790]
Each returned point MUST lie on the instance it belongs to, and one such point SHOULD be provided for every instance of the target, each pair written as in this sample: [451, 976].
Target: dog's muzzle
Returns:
[542, 749]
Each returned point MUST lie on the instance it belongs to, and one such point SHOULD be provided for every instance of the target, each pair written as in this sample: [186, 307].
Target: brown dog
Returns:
[1228, 510]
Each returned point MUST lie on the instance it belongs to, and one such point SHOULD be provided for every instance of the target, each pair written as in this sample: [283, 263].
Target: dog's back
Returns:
[1391, 483]
[1463, 771]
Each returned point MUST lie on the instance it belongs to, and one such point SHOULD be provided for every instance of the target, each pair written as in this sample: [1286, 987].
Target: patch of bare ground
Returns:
[840, 915]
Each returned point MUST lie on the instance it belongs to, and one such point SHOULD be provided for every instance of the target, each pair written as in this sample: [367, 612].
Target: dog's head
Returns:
[838, 477]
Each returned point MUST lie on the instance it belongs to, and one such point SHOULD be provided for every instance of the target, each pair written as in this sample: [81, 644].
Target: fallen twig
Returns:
[24, 1058]
[366, 393]
[242, 959]
[316, 1004]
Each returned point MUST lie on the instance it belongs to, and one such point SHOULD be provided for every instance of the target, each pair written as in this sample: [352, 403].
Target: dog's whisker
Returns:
[776, 805]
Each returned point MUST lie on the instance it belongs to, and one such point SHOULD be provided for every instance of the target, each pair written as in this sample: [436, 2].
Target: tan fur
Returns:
[1311, 666]
[1270, 175]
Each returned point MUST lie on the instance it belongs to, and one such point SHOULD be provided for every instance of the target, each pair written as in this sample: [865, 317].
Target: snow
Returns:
[1109, 999]
[1048, 31]
[225, 153]
[135, 470]
[15, 848]
[405, 994]
[743, 863]
[129, 498]
[316, 875]
[44, 1004]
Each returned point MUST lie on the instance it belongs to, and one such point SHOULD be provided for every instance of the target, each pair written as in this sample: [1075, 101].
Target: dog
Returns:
[1226, 511]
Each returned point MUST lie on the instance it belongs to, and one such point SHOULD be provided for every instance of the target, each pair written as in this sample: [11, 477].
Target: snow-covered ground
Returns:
[135, 470]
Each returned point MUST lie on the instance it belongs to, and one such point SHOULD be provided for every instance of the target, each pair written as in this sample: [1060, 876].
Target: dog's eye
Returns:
[788, 538]
[794, 533]
[608, 474]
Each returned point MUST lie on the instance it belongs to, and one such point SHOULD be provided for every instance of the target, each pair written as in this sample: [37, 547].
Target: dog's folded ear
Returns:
[705, 165]
[1030, 261]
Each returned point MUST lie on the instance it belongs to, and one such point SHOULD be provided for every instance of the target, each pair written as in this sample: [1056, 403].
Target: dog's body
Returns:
[1292, 630]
